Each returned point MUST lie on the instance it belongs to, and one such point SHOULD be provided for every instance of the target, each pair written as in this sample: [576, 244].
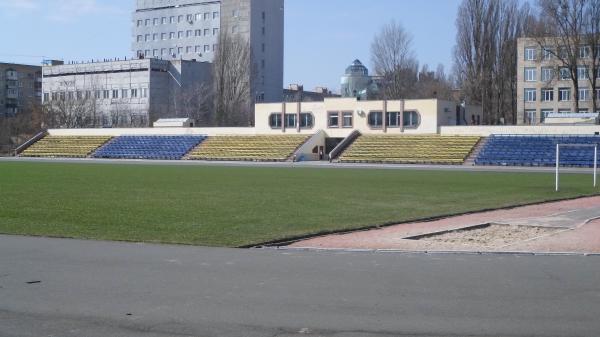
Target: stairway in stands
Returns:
[470, 161]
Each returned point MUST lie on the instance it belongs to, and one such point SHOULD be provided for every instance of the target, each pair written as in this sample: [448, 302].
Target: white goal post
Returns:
[558, 146]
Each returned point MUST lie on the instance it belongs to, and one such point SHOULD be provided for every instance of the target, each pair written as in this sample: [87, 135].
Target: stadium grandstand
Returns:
[343, 130]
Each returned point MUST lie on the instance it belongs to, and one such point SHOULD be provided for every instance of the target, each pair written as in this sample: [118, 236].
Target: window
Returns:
[147, 22]
[347, 121]
[306, 120]
[140, 38]
[597, 93]
[215, 31]
[163, 20]
[124, 93]
[134, 93]
[179, 50]
[180, 18]
[147, 52]
[172, 35]
[530, 95]
[172, 19]
[97, 94]
[171, 51]
[198, 16]
[198, 32]
[584, 94]
[263, 48]
[530, 74]
[163, 36]
[275, 121]
[530, 117]
[106, 94]
[190, 18]
[206, 48]
[583, 72]
[198, 49]
[375, 119]
[180, 34]
[530, 54]
[215, 15]
[115, 94]
[188, 49]
[46, 96]
[140, 23]
[147, 37]
[206, 16]
[585, 52]
[547, 95]
[564, 94]
[215, 49]
[144, 92]
[565, 73]
[393, 119]
[155, 37]
[548, 53]
[563, 53]
[333, 119]
[290, 120]
[262, 64]
[412, 119]
[156, 22]
[545, 113]
[235, 13]
[263, 31]
[564, 111]
[189, 33]
[547, 74]
[583, 110]
[206, 32]
[234, 29]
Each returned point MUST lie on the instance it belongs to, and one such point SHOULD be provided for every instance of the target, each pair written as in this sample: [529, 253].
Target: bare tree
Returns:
[592, 41]
[561, 34]
[394, 61]
[233, 74]
[484, 55]
[194, 101]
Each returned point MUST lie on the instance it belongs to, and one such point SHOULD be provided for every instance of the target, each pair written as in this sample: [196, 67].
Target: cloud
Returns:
[69, 10]
[63, 10]
[20, 5]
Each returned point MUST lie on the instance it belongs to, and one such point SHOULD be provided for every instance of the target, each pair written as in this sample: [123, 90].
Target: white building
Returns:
[189, 30]
[120, 93]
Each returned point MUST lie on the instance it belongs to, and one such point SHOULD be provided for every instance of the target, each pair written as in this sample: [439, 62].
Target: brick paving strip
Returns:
[554, 227]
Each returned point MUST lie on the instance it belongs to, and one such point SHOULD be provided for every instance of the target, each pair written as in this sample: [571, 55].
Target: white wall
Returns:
[485, 130]
[152, 131]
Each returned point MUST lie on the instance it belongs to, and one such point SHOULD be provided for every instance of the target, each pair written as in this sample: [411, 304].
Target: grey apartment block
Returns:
[543, 86]
[189, 30]
[121, 93]
[20, 85]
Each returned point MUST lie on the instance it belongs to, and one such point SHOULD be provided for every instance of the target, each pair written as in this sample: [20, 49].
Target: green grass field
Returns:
[236, 206]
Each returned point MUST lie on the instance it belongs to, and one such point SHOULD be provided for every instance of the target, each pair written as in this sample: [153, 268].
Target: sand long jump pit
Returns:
[570, 226]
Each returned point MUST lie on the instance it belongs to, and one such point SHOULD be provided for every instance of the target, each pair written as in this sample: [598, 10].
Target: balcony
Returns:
[12, 75]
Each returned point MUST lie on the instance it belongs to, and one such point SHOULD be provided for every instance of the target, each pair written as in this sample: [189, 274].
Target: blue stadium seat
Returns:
[149, 147]
[518, 150]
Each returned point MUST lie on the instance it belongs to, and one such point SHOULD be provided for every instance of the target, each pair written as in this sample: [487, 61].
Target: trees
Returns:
[569, 31]
[232, 78]
[394, 61]
[484, 55]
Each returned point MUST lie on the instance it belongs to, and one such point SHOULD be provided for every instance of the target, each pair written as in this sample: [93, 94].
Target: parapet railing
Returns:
[30, 142]
[343, 145]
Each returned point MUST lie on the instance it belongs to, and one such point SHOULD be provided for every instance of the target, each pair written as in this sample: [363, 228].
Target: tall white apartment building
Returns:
[545, 88]
[189, 30]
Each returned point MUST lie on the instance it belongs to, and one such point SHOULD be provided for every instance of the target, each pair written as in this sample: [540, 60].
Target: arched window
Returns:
[412, 119]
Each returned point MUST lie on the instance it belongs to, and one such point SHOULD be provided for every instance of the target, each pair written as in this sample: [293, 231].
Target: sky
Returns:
[322, 37]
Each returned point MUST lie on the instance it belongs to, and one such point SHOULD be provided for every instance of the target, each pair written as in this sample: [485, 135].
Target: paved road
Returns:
[312, 164]
[100, 289]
